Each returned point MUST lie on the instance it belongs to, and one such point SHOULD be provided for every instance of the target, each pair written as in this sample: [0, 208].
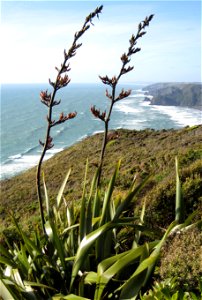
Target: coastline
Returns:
[132, 113]
[56, 154]
[149, 97]
[179, 94]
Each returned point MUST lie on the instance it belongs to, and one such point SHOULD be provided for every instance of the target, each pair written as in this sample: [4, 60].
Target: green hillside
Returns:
[142, 153]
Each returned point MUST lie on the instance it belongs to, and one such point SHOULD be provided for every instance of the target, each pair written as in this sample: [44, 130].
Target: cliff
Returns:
[176, 94]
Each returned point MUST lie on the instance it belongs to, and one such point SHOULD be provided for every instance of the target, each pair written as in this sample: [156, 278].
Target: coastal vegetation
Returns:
[143, 153]
[114, 209]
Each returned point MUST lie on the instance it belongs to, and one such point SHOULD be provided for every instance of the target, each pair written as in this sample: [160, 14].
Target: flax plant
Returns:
[49, 99]
[113, 82]
[83, 260]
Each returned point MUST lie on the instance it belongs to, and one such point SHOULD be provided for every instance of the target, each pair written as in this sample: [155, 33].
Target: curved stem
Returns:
[38, 174]
[104, 143]
[58, 84]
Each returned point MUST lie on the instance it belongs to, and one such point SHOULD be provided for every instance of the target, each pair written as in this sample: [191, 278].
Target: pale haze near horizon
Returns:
[34, 35]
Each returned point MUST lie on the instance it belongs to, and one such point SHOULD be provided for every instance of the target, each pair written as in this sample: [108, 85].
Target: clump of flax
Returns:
[113, 82]
[49, 99]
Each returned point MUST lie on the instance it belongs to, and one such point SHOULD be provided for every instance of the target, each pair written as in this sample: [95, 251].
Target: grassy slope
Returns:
[144, 152]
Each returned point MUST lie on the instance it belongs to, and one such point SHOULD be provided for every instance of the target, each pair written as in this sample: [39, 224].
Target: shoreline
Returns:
[147, 99]
[177, 94]
[89, 136]
[132, 113]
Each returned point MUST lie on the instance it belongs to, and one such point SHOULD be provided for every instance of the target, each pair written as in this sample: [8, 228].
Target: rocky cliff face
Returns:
[177, 94]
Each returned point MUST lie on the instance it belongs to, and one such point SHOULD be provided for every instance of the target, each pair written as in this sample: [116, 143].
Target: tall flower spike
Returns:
[125, 59]
[49, 100]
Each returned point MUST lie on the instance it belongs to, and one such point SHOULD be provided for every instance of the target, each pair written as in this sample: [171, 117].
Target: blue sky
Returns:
[35, 33]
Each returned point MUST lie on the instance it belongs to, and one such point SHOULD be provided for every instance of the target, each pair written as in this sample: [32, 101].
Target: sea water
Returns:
[23, 119]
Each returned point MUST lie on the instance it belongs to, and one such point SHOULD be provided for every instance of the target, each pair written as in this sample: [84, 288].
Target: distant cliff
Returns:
[176, 94]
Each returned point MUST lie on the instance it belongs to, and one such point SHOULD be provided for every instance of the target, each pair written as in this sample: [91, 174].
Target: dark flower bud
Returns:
[150, 18]
[108, 95]
[132, 40]
[64, 68]
[45, 97]
[63, 118]
[126, 70]
[98, 114]
[56, 103]
[49, 143]
[123, 94]
[135, 50]
[105, 80]
[86, 28]
[114, 80]
[71, 115]
[124, 58]
[140, 26]
[51, 83]
[62, 81]
[41, 143]
[141, 34]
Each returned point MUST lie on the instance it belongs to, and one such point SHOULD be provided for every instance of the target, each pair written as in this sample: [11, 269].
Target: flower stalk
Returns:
[48, 99]
[113, 82]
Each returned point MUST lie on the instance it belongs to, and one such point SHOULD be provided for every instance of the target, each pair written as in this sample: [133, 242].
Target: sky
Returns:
[34, 35]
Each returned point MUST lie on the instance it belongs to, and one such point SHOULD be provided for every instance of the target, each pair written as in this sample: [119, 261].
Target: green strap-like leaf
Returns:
[179, 203]
[61, 191]
[86, 244]
[7, 290]
[102, 249]
[107, 199]
[148, 263]
[40, 285]
[69, 297]
[120, 262]
[82, 227]
[90, 278]
[5, 252]
[7, 261]
[46, 197]
[132, 193]
[51, 231]
[29, 244]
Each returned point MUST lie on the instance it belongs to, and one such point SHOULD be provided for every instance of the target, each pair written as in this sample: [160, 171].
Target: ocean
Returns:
[23, 119]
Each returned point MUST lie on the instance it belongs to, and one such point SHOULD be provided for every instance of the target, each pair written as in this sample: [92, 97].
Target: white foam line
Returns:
[127, 109]
[21, 163]
[181, 115]
[137, 96]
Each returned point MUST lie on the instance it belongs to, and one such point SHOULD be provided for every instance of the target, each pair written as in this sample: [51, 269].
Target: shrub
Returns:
[160, 200]
[181, 258]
